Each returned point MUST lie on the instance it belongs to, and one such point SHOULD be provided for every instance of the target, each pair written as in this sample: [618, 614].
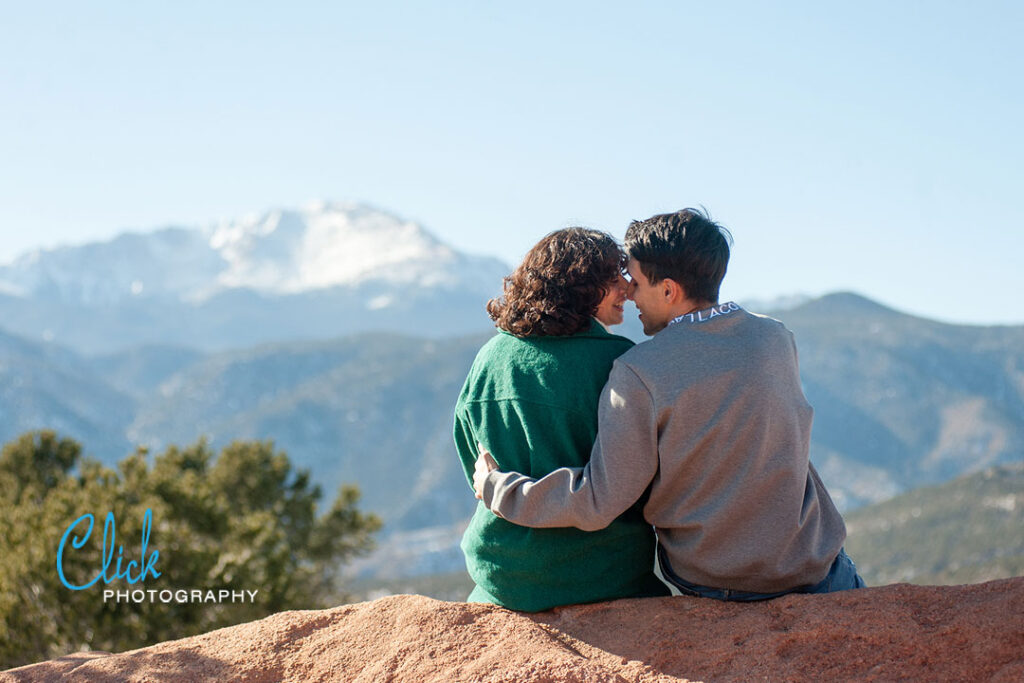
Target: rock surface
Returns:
[899, 632]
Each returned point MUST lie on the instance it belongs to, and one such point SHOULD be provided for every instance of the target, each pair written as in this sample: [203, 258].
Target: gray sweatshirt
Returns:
[707, 419]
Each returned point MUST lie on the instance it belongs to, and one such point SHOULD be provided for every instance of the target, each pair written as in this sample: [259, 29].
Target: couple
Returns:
[690, 449]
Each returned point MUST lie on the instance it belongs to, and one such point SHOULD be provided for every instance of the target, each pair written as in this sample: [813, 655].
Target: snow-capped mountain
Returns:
[164, 263]
[326, 269]
[326, 245]
[279, 252]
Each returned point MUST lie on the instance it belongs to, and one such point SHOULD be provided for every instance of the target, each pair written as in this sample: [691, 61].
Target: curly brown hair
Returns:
[556, 290]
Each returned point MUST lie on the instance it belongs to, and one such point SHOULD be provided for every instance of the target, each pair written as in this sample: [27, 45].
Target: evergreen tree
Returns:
[243, 520]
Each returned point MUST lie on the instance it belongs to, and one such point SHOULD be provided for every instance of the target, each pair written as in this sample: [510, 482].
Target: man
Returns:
[707, 423]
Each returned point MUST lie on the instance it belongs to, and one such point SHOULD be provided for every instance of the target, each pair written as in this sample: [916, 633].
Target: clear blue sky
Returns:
[873, 146]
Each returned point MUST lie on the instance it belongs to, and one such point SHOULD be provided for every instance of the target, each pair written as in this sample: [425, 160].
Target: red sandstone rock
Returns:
[892, 633]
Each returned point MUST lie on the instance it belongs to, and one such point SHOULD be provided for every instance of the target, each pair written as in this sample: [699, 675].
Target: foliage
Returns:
[246, 520]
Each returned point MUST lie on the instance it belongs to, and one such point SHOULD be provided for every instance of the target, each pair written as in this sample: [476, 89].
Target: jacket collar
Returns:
[597, 329]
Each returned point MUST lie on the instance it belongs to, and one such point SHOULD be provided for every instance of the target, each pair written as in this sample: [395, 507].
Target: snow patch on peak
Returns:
[258, 251]
[323, 245]
[11, 289]
[340, 247]
[379, 302]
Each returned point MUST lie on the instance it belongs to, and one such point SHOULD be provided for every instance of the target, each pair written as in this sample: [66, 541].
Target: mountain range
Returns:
[325, 270]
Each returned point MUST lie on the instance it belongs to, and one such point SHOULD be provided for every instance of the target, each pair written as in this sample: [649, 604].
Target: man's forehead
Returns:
[633, 266]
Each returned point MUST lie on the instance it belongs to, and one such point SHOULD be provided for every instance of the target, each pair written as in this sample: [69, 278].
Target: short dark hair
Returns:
[557, 288]
[685, 246]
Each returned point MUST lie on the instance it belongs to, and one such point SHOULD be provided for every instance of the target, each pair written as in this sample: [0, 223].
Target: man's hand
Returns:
[484, 465]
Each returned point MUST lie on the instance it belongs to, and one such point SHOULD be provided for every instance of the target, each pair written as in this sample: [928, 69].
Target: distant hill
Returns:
[45, 385]
[902, 401]
[968, 530]
[374, 409]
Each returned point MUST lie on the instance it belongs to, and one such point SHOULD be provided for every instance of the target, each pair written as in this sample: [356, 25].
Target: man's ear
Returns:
[672, 291]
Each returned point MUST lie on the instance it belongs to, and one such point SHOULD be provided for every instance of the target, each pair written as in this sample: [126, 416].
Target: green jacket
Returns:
[533, 403]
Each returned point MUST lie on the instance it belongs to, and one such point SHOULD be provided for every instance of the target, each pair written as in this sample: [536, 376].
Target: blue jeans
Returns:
[841, 576]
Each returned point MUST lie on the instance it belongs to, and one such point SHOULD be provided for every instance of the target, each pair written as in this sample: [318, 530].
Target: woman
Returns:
[532, 397]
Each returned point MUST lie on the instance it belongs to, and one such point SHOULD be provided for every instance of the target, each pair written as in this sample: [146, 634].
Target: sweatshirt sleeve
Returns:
[622, 464]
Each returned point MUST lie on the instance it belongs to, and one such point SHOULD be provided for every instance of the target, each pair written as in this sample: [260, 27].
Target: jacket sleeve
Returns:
[465, 444]
[623, 462]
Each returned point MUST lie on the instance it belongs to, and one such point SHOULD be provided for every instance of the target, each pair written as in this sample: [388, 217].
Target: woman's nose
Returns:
[630, 290]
